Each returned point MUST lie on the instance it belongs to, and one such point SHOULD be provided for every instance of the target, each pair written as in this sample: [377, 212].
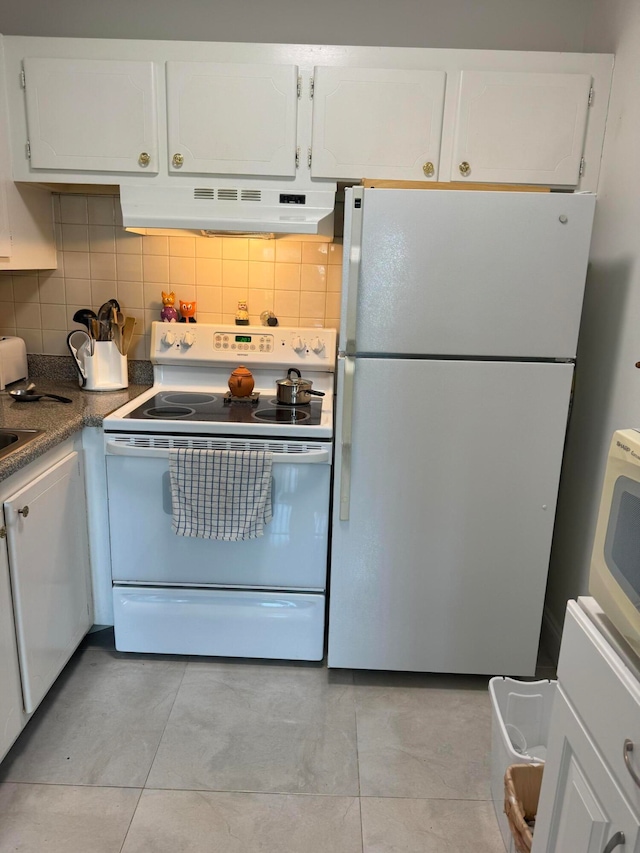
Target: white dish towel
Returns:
[220, 494]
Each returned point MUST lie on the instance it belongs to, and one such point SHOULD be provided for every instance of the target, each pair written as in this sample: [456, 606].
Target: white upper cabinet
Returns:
[91, 115]
[520, 127]
[376, 123]
[232, 119]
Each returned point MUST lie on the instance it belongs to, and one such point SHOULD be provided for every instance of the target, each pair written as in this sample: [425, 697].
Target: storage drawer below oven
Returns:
[224, 623]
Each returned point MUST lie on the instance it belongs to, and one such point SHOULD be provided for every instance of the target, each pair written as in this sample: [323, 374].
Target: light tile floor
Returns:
[145, 754]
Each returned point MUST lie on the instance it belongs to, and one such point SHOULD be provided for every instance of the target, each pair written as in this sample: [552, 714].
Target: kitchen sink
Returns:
[12, 439]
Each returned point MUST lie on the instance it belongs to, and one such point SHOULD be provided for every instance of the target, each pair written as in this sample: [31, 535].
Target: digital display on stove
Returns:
[243, 339]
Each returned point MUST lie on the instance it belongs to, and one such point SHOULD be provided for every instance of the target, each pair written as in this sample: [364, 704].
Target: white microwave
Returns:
[614, 579]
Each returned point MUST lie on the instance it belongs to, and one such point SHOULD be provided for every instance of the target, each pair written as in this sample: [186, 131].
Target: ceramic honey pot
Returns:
[241, 382]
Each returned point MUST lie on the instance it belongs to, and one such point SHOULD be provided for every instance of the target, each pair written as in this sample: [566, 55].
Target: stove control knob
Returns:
[169, 338]
[298, 344]
[188, 339]
[317, 345]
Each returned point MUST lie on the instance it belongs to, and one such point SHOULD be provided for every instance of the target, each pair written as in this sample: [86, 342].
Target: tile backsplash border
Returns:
[97, 259]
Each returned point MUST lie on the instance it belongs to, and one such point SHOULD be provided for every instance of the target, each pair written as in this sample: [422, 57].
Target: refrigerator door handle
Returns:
[350, 306]
[346, 437]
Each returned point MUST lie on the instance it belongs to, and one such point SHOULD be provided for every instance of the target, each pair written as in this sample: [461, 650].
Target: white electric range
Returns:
[263, 597]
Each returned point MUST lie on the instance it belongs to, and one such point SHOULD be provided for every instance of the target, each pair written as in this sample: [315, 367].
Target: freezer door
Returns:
[467, 273]
[442, 563]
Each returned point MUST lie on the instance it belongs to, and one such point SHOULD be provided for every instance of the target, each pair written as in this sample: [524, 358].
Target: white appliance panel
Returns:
[467, 273]
[219, 622]
[442, 564]
[144, 549]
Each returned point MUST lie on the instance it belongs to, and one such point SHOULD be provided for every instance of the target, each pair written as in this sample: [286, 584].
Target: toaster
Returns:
[13, 361]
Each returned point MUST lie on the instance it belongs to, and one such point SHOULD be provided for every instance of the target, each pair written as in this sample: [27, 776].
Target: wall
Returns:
[608, 384]
[97, 260]
[491, 24]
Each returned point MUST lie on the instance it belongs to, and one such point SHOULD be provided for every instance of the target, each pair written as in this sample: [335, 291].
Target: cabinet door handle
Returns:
[616, 840]
[24, 512]
[627, 750]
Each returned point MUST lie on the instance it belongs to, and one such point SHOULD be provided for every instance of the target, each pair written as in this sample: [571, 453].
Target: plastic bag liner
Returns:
[521, 794]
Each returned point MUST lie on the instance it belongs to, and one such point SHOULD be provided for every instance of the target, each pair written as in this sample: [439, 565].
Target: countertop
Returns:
[56, 420]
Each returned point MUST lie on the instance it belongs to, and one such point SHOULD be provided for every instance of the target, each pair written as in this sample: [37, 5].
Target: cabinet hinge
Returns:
[299, 87]
[28, 149]
[590, 101]
[297, 158]
[581, 171]
[3, 532]
[309, 158]
[23, 79]
[311, 87]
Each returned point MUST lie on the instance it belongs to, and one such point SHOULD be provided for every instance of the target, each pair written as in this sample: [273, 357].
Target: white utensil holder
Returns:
[106, 369]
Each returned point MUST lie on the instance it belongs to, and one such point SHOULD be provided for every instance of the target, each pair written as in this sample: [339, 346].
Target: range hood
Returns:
[228, 209]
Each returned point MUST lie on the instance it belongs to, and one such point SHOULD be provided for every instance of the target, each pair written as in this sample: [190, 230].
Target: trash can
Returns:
[520, 716]
[522, 784]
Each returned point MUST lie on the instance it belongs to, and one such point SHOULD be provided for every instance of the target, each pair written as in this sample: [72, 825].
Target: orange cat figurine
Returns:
[168, 313]
[187, 311]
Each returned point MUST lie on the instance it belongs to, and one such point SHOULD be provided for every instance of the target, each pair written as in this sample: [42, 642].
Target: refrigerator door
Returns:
[454, 468]
[465, 273]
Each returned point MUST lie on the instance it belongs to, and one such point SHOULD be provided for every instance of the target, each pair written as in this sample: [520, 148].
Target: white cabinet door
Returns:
[581, 808]
[520, 127]
[91, 115]
[10, 691]
[47, 538]
[227, 118]
[376, 123]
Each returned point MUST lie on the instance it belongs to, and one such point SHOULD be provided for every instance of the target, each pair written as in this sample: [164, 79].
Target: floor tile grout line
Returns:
[126, 835]
[133, 814]
[165, 725]
[355, 717]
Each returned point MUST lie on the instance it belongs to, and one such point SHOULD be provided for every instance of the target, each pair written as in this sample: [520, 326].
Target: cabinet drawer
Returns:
[606, 692]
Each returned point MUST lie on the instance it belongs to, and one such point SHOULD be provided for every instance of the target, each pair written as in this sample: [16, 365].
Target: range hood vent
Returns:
[227, 194]
[229, 209]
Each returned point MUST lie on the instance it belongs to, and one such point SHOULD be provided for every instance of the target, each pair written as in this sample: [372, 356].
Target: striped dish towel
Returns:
[220, 494]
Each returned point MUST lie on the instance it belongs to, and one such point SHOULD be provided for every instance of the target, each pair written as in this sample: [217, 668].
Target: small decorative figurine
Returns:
[187, 311]
[242, 315]
[168, 313]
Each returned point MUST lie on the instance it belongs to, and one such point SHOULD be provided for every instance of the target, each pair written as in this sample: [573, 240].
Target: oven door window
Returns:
[291, 554]
[622, 542]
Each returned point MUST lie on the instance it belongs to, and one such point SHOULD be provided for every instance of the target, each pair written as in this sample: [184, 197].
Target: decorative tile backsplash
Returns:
[97, 259]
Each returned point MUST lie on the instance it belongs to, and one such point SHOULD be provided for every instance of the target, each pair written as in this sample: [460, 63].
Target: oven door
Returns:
[291, 555]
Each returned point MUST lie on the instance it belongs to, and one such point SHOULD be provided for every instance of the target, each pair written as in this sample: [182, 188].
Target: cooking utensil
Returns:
[127, 334]
[118, 320]
[295, 392]
[75, 340]
[87, 317]
[23, 396]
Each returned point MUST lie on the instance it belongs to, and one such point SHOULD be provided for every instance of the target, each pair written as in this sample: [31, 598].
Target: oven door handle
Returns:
[306, 457]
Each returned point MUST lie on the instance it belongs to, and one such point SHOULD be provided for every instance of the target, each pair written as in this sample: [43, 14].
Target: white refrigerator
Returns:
[460, 317]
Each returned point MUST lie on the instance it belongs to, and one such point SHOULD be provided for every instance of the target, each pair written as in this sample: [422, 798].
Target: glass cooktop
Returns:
[199, 406]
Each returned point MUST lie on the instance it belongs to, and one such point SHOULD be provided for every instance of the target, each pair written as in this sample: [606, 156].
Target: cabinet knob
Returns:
[428, 169]
[177, 160]
[144, 159]
[616, 840]
[464, 167]
[627, 749]
[24, 511]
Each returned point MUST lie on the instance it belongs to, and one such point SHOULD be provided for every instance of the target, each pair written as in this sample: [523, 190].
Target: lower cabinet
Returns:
[588, 799]
[44, 586]
[10, 691]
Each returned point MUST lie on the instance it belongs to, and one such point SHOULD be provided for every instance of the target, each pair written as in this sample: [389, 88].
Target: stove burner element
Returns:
[285, 415]
[171, 413]
[189, 399]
